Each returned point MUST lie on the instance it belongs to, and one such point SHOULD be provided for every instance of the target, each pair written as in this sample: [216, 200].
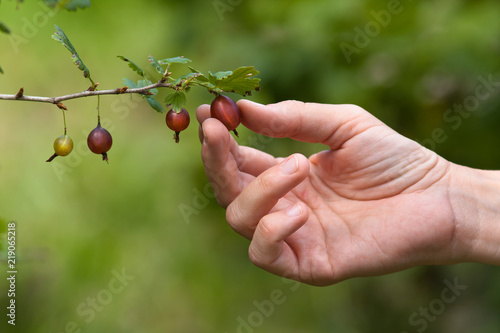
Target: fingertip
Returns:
[302, 161]
[214, 131]
[202, 113]
[246, 103]
[268, 249]
[214, 140]
[300, 211]
[296, 164]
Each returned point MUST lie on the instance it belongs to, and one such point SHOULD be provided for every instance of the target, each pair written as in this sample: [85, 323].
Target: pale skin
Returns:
[374, 203]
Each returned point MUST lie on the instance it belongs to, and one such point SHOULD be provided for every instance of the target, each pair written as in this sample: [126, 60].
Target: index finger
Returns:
[329, 124]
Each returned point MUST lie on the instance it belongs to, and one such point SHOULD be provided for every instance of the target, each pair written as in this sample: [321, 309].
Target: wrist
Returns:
[475, 200]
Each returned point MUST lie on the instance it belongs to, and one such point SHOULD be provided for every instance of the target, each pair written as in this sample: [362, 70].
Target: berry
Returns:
[63, 145]
[100, 141]
[226, 111]
[177, 122]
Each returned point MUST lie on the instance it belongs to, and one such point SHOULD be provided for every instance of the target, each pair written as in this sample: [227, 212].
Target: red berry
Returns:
[177, 122]
[226, 111]
[100, 141]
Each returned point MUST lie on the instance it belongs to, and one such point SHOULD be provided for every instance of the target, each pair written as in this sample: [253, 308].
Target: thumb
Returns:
[329, 124]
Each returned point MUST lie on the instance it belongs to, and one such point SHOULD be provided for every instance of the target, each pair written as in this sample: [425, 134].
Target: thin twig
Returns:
[86, 93]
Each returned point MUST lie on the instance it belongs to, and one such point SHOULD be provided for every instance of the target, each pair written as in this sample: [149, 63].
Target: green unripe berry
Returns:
[63, 145]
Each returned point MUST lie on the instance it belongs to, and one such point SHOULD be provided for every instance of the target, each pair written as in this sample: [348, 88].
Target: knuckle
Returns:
[267, 228]
[234, 216]
[254, 256]
[267, 182]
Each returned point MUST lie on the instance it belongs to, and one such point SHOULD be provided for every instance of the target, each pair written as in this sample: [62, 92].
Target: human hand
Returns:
[374, 203]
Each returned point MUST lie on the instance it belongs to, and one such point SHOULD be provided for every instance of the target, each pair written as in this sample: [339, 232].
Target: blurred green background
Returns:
[81, 222]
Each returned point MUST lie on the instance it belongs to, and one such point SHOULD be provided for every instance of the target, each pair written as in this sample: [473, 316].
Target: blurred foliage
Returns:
[80, 221]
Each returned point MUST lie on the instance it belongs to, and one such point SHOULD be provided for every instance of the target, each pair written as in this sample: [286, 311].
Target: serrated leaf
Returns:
[129, 83]
[176, 100]
[194, 70]
[4, 29]
[175, 60]
[156, 65]
[70, 5]
[145, 83]
[61, 37]
[218, 76]
[149, 98]
[240, 81]
[200, 77]
[186, 77]
[132, 65]
[73, 5]
[155, 104]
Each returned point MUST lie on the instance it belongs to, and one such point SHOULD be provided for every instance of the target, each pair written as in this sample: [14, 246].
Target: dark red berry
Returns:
[226, 111]
[100, 141]
[177, 122]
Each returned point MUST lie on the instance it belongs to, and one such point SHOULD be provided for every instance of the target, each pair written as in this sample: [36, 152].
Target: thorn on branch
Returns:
[61, 106]
[20, 93]
[92, 87]
[121, 90]
[165, 76]
[148, 93]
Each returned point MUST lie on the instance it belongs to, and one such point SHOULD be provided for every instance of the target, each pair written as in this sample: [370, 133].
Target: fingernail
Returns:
[293, 210]
[290, 165]
[252, 102]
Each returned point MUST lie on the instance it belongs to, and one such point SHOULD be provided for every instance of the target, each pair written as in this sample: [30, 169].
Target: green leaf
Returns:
[132, 65]
[73, 5]
[4, 29]
[156, 65]
[129, 83]
[213, 78]
[154, 104]
[144, 83]
[176, 100]
[61, 37]
[186, 78]
[241, 81]
[200, 78]
[70, 5]
[1, 70]
[175, 60]
[149, 98]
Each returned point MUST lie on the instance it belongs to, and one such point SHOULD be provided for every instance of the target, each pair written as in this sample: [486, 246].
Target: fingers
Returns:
[228, 166]
[319, 123]
[252, 161]
[219, 154]
[268, 249]
[202, 114]
[263, 193]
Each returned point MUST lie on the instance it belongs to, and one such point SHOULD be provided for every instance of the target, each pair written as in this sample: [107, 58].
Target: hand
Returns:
[374, 203]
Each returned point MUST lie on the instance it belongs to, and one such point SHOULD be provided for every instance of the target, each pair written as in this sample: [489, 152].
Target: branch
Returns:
[86, 93]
